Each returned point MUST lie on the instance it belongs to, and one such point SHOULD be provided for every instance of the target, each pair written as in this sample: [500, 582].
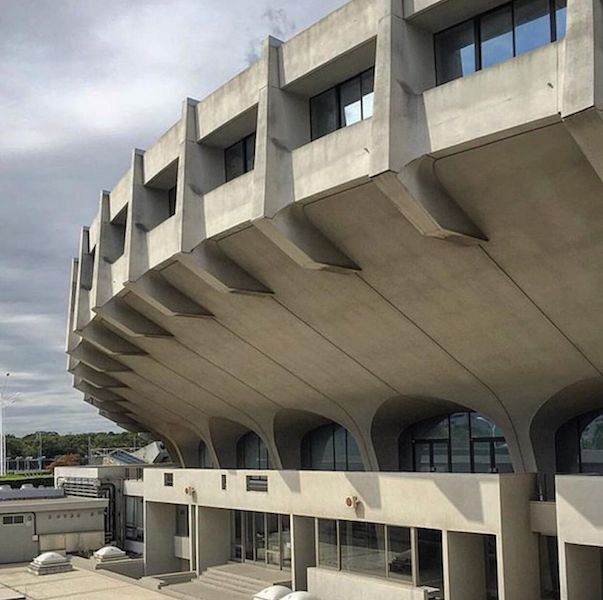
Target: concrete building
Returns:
[45, 519]
[377, 253]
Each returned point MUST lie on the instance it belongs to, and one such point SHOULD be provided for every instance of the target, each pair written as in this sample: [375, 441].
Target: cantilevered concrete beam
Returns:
[303, 243]
[167, 299]
[98, 393]
[400, 163]
[582, 100]
[211, 265]
[109, 342]
[96, 378]
[130, 321]
[421, 198]
[91, 356]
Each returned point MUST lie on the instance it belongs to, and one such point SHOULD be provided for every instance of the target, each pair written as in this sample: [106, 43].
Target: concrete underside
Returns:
[426, 325]
[501, 327]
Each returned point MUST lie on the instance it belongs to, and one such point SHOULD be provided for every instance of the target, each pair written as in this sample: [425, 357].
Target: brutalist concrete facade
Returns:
[442, 255]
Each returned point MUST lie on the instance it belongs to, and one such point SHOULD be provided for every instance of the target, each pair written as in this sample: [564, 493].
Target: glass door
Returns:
[237, 536]
[273, 546]
[259, 537]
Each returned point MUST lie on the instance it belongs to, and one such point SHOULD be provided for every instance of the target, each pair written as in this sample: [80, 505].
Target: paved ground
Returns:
[75, 585]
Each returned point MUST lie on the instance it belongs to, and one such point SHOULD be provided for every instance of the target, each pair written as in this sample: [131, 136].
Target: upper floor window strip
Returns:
[342, 105]
[498, 35]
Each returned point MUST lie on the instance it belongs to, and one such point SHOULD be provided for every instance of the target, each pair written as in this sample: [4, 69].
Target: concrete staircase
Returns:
[238, 581]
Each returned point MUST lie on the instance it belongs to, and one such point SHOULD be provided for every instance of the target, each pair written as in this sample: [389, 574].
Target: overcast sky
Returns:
[82, 82]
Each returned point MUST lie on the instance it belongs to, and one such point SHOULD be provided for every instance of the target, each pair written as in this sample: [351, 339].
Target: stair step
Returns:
[234, 584]
[217, 573]
[216, 587]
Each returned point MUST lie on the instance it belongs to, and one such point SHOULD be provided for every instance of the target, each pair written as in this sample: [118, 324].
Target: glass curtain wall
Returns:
[261, 537]
[342, 105]
[498, 35]
[579, 444]
[134, 518]
[330, 448]
[377, 550]
[252, 453]
[464, 442]
[205, 461]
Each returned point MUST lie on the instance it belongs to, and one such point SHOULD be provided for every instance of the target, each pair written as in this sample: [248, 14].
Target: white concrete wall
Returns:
[470, 503]
[326, 584]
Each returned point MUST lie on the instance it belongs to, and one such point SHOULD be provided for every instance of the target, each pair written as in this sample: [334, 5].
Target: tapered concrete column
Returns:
[400, 163]
[303, 550]
[72, 339]
[283, 125]
[464, 566]
[517, 547]
[580, 572]
[84, 283]
[582, 94]
[136, 229]
[193, 178]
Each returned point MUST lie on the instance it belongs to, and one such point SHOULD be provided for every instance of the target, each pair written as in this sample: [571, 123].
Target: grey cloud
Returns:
[81, 84]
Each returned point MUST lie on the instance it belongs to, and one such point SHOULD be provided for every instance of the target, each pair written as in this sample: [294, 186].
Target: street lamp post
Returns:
[6, 400]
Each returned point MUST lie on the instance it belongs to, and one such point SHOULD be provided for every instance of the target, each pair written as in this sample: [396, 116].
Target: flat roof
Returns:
[51, 504]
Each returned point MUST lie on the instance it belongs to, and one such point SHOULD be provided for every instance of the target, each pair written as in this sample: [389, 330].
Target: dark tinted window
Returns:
[252, 453]
[455, 52]
[240, 157]
[323, 112]
[560, 18]
[532, 24]
[330, 448]
[496, 36]
[172, 201]
[343, 105]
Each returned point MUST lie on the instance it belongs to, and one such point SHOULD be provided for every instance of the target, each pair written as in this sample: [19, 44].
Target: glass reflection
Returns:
[362, 547]
[496, 36]
[532, 25]
[327, 543]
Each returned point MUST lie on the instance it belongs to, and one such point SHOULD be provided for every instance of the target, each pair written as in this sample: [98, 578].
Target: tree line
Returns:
[54, 444]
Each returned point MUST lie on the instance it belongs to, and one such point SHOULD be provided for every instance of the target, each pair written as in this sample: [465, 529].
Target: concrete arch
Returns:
[395, 416]
[291, 425]
[224, 435]
[576, 399]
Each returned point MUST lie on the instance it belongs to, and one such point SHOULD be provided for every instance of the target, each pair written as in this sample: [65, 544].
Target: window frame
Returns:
[338, 108]
[476, 20]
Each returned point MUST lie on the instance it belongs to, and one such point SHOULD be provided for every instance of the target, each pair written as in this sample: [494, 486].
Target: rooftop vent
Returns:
[49, 563]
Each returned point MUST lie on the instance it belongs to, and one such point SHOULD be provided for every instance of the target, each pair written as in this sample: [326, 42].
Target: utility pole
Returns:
[6, 400]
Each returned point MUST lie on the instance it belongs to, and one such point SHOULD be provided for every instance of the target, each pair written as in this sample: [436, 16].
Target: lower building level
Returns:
[343, 535]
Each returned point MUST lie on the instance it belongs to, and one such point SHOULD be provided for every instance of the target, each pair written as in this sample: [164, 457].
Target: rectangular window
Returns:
[343, 105]
[328, 555]
[498, 35]
[182, 521]
[240, 157]
[456, 52]
[362, 547]
[168, 479]
[496, 30]
[13, 520]
[172, 201]
[134, 518]
[399, 553]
